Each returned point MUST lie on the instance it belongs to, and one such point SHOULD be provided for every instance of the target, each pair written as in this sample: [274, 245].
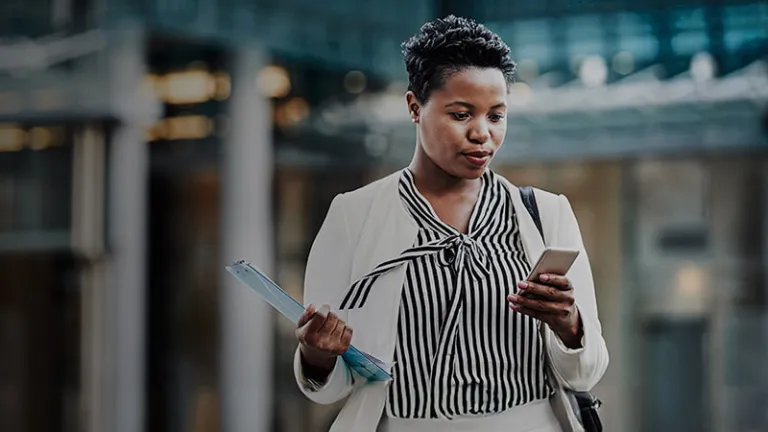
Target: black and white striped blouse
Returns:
[461, 350]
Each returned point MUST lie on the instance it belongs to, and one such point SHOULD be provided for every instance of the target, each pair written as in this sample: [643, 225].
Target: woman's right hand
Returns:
[322, 338]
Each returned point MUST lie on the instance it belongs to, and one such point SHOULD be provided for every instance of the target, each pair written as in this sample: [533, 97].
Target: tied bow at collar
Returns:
[459, 251]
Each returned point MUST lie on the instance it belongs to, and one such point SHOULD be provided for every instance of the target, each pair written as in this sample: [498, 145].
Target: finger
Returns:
[306, 315]
[317, 333]
[338, 335]
[541, 316]
[338, 330]
[324, 310]
[558, 281]
[331, 322]
[346, 339]
[315, 323]
[532, 296]
[537, 304]
[319, 317]
[546, 292]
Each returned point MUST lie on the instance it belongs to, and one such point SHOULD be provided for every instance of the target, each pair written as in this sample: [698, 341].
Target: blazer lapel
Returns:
[387, 232]
[532, 241]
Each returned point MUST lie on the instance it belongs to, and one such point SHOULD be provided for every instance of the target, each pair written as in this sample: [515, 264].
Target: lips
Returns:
[479, 153]
[478, 158]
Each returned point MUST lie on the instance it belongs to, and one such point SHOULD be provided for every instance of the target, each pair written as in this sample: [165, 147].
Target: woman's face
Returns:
[463, 123]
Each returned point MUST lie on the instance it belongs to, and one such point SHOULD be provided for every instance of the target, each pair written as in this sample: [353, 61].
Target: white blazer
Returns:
[368, 226]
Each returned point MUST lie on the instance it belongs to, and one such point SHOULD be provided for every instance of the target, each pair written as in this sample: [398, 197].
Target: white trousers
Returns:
[534, 417]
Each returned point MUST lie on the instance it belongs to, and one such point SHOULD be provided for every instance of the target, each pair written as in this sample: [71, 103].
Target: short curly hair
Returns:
[449, 45]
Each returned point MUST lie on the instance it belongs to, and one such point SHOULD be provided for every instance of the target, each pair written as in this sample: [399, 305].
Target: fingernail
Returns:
[522, 285]
[544, 278]
[514, 298]
[515, 307]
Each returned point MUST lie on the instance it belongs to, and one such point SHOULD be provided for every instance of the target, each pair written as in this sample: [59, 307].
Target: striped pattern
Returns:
[449, 252]
[461, 350]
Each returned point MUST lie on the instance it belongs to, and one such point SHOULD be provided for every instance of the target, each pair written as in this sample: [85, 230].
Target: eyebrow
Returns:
[470, 106]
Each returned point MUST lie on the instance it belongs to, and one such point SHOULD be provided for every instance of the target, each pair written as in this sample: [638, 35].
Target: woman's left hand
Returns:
[552, 302]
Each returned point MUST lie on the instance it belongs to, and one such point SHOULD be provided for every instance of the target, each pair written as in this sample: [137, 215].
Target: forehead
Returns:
[479, 86]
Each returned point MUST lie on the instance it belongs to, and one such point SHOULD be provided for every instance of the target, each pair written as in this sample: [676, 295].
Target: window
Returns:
[689, 25]
[744, 25]
[636, 35]
[531, 39]
[585, 35]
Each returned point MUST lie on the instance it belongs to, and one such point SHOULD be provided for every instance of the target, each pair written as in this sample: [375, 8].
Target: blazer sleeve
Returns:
[578, 369]
[326, 277]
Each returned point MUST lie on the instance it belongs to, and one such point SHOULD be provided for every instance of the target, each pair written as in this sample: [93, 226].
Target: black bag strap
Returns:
[529, 199]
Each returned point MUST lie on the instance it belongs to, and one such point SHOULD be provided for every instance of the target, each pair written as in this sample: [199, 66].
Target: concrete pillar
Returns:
[630, 328]
[764, 171]
[247, 233]
[118, 401]
[127, 235]
[88, 242]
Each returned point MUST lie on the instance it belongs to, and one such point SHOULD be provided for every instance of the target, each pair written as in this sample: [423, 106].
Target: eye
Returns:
[497, 117]
[460, 116]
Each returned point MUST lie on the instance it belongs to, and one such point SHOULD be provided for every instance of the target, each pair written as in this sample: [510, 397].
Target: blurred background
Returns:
[146, 144]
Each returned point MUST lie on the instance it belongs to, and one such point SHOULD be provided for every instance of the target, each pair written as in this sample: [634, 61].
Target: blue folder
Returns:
[365, 365]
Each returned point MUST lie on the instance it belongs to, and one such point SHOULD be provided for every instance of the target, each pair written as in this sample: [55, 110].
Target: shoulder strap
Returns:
[529, 199]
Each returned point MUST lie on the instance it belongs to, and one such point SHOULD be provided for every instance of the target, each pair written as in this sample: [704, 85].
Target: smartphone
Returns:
[553, 261]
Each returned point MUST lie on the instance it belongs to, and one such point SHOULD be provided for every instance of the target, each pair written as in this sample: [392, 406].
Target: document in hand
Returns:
[364, 364]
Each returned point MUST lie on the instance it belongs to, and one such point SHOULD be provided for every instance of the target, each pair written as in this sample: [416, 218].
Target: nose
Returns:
[479, 132]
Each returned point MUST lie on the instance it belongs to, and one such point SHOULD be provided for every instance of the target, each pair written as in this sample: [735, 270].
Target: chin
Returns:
[471, 173]
[460, 169]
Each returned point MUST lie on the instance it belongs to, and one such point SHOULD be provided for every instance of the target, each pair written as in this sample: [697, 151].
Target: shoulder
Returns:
[365, 195]
[542, 196]
[553, 207]
[356, 206]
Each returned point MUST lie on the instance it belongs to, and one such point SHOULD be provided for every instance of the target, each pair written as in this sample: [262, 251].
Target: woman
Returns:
[428, 267]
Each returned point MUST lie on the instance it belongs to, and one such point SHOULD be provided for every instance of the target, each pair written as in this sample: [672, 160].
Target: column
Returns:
[118, 399]
[247, 233]
[630, 287]
[764, 172]
[88, 242]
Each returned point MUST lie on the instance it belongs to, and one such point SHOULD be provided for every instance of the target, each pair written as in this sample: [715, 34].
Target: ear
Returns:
[414, 106]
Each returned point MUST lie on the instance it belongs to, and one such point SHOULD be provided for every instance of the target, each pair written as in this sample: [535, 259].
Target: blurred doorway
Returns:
[675, 375]
[39, 342]
[182, 301]
[184, 241]
[41, 295]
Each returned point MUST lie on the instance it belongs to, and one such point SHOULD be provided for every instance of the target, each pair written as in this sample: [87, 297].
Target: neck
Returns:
[430, 179]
